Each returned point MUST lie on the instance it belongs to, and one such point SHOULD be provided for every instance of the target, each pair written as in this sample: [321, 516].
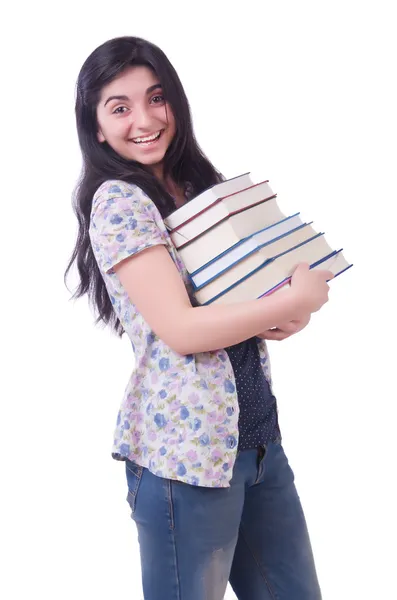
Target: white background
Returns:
[304, 92]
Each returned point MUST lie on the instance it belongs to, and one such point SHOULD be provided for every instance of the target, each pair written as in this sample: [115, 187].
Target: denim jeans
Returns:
[193, 540]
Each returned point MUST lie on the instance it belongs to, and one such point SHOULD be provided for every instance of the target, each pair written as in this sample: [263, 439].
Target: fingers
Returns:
[289, 327]
[276, 334]
[302, 267]
[328, 275]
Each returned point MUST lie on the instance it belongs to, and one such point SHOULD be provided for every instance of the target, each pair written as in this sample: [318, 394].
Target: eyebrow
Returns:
[126, 98]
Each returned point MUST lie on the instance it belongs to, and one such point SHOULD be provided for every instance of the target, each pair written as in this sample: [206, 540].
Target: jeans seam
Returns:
[170, 503]
[172, 530]
[256, 559]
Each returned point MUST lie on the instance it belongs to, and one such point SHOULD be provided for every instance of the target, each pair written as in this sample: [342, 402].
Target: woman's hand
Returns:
[285, 331]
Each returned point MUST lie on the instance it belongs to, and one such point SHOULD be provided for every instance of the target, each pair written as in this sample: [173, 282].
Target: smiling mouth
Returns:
[149, 139]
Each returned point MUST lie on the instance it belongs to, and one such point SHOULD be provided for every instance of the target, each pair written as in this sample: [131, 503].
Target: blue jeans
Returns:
[193, 540]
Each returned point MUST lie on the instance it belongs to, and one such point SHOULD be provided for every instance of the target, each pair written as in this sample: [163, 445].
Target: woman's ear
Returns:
[100, 136]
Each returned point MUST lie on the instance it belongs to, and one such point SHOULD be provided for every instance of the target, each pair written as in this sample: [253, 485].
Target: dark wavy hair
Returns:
[184, 160]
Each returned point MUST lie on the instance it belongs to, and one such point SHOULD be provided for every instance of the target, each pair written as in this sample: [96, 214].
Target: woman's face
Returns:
[134, 119]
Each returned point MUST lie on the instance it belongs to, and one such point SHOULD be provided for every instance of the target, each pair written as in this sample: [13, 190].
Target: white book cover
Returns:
[225, 208]
[270, 275]
[206, 198]
[243, 249]
[270, 254]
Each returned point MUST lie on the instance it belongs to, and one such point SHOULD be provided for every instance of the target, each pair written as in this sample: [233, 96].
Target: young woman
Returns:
[209, 485]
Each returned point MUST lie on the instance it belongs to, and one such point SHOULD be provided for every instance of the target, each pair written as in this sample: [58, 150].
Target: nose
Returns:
[141, 118]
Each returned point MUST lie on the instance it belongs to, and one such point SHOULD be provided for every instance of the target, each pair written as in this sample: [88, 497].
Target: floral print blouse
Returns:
[179, 414]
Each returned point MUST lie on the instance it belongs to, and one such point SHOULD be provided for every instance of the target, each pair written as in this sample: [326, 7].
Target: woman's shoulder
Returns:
[116, 188]
[117, 195]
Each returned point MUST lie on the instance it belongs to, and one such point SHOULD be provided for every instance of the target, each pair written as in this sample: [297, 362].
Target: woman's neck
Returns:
[175, 190]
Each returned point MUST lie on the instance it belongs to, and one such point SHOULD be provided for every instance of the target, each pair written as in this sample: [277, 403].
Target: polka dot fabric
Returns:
[258, 421]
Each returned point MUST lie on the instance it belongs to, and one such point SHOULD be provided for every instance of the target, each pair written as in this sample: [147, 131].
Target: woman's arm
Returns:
[155, 287]
[285, 330]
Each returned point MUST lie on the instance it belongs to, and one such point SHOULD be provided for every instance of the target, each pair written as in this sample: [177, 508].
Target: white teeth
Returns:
[150, 138]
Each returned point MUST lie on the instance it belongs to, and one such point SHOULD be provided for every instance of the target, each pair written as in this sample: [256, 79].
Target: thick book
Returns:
[224, 235]
[220, 210]
[260, 258]
[334, 262]
[244, 249]
[273, 274]
[208, 197]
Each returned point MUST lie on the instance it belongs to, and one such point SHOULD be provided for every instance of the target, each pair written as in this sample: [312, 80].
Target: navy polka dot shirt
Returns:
[258, 420]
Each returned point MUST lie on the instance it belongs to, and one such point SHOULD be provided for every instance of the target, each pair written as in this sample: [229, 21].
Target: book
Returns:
[208, 197]
[244, 248]
[273, 274]
[240, 246]
[335, 262]
[260, 257]
[221, 209]
[251, 264]
[204, 248]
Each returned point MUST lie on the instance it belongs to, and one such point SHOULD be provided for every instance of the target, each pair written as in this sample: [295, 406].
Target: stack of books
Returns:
[237, 245]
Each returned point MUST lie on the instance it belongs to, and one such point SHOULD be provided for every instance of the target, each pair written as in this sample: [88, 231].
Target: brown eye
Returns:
[120, 110]
[158, 99]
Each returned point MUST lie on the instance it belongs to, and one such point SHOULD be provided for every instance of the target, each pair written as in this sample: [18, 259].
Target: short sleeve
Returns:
[122, 224]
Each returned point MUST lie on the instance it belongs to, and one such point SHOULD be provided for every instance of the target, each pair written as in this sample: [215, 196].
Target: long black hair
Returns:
[184, 160]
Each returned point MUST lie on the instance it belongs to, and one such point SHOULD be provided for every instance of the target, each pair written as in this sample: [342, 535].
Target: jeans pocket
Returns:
[134, 476]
